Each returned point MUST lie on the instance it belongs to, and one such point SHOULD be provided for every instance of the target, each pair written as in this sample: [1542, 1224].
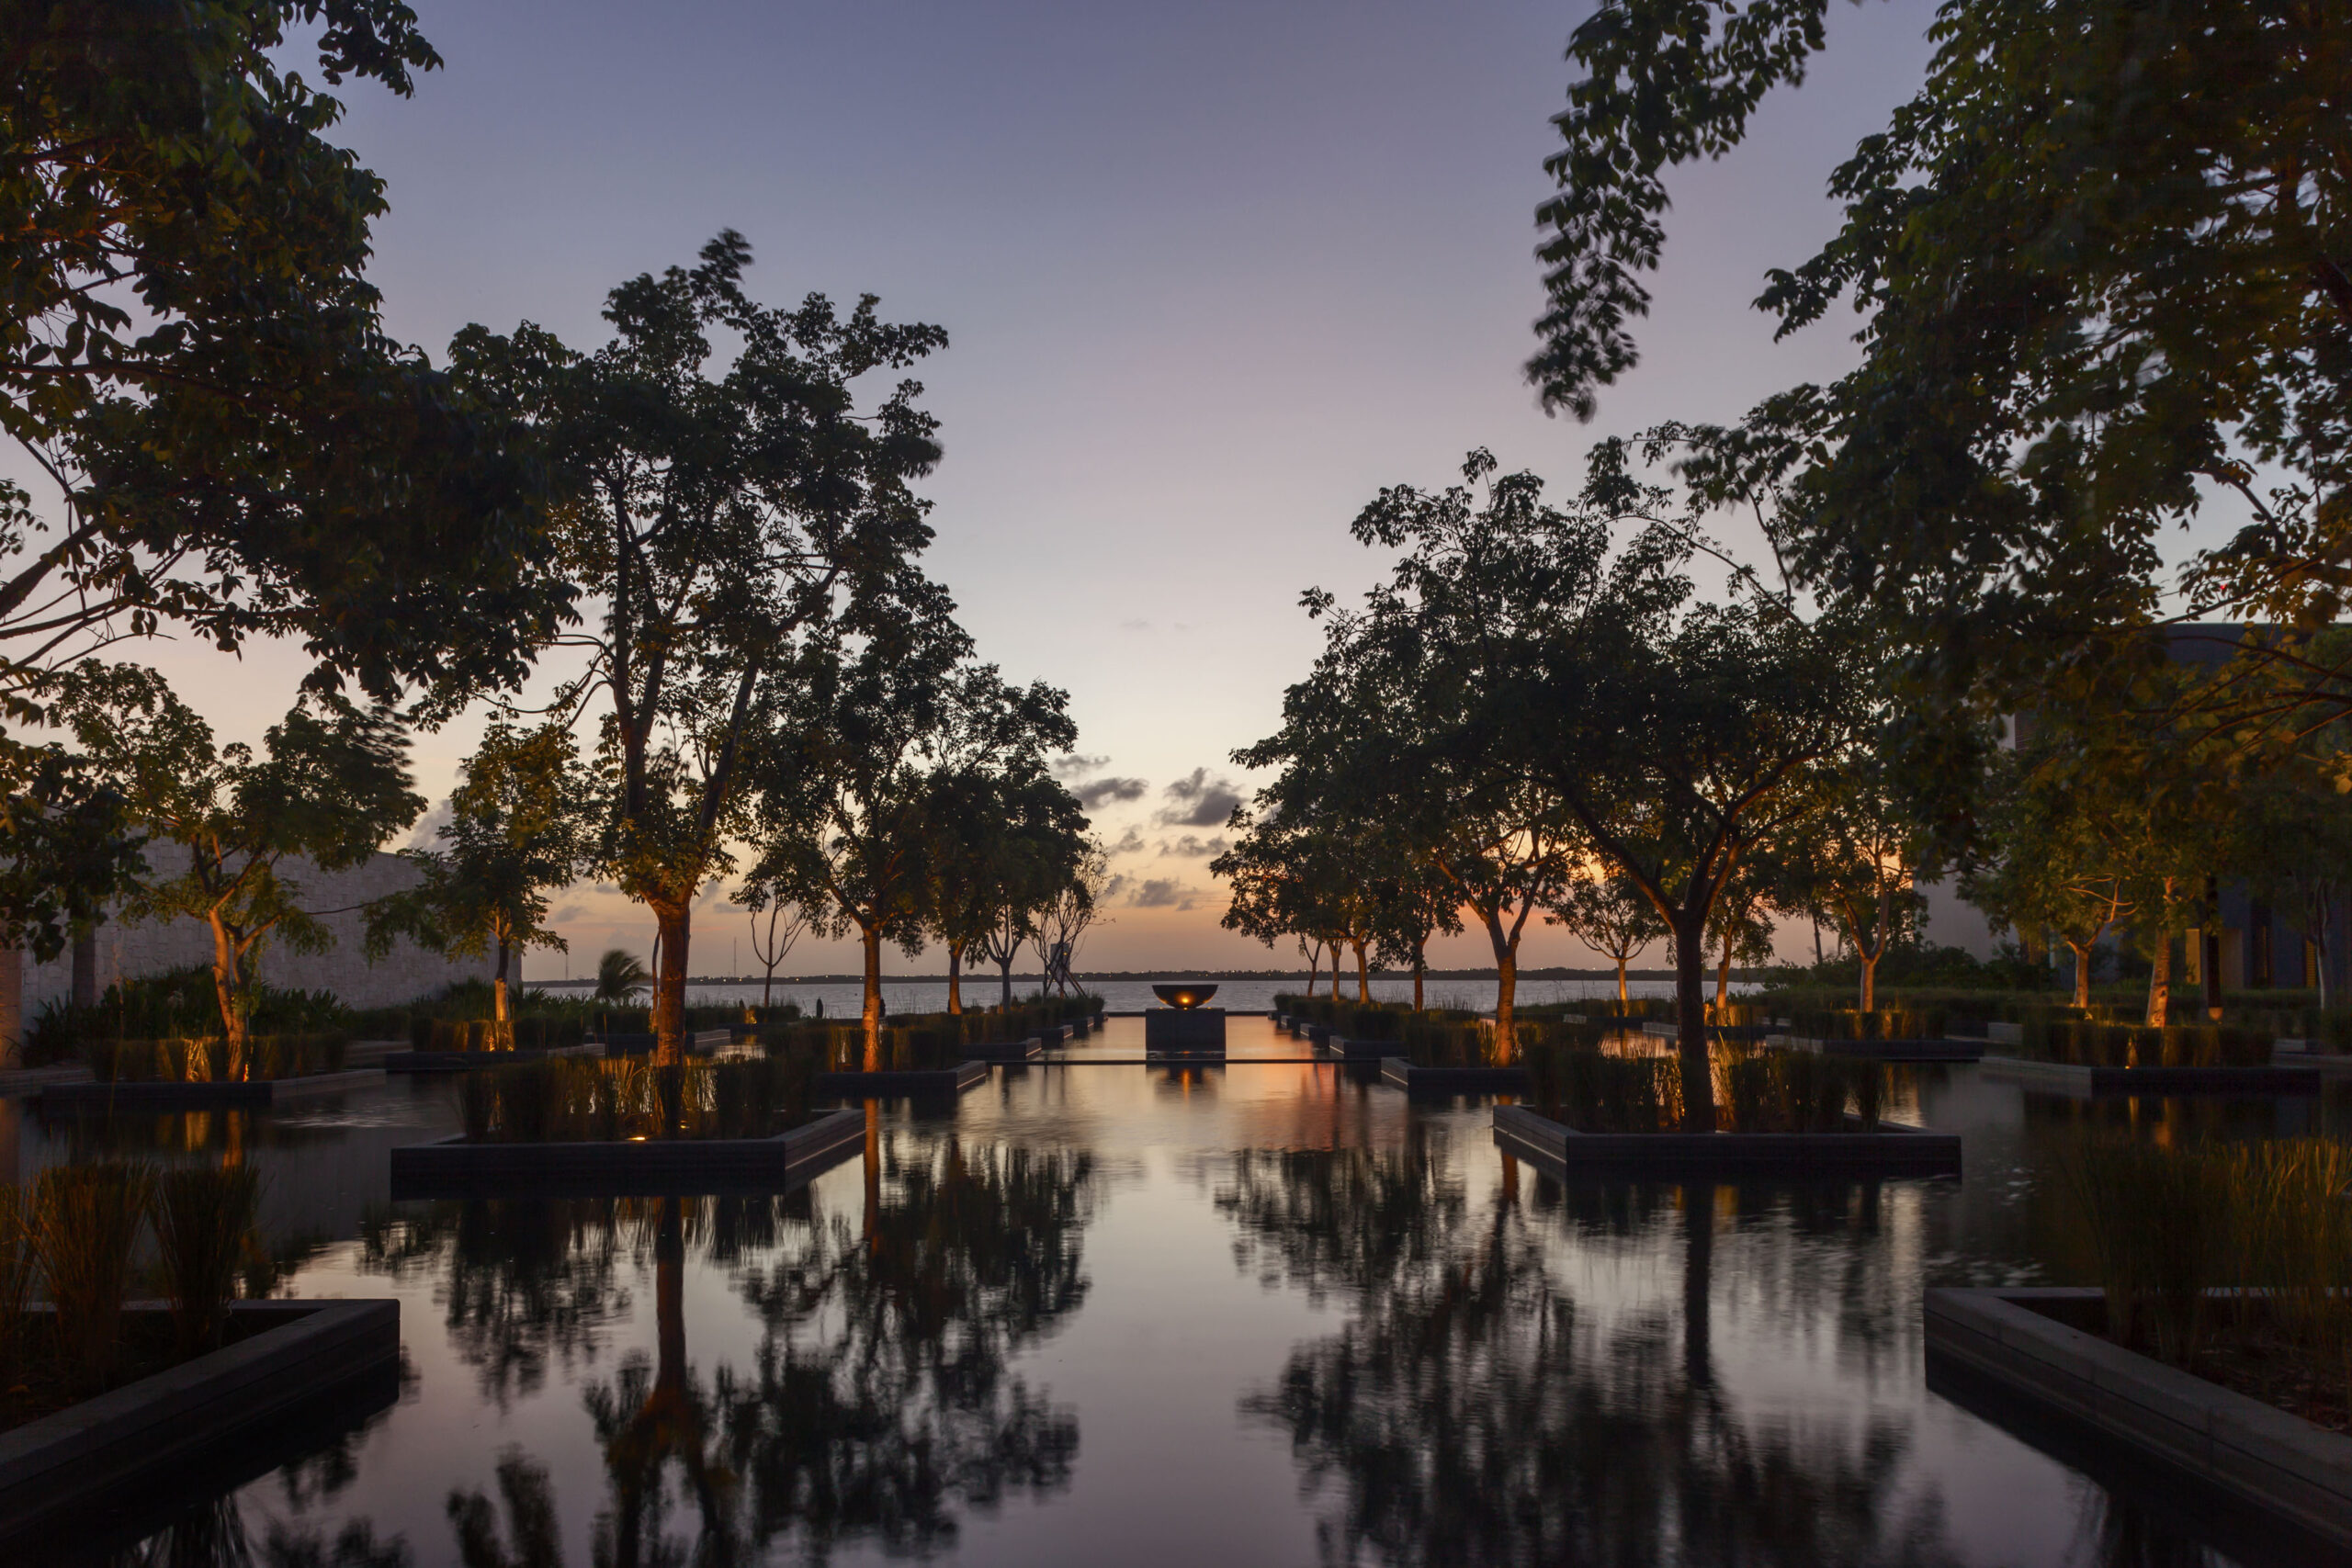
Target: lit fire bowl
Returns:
[1184, 1028]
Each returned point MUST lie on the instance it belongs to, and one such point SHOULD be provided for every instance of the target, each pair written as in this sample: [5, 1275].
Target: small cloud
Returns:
[1198, 801]
[568, 913]
[1131, 843]
[1134, 626]
[1098, 793]
[1116, 886]
[1162, 893]
[1075, 766]
[429, 825]
[1191, 846]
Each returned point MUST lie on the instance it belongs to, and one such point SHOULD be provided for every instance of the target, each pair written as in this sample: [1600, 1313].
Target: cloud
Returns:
[1162, 893]
[1191, 846]
[1198, 802]
[429, 825]
[1131, 843]
[1115, 885]
[1076, 766]
[1134, 626]
[568, 913]
[1095, 794]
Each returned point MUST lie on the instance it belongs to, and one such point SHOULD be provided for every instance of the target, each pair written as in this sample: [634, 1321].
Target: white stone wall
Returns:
[405, 974]
[1952, 921]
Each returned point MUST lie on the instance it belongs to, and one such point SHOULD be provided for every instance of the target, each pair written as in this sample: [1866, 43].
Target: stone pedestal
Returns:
[1175, 1030]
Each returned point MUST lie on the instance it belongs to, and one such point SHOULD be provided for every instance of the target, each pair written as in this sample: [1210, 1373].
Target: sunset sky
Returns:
[1212, 273]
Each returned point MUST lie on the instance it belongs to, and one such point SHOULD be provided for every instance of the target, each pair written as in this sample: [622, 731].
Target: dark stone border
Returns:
[84, 1460]
[1399, 1073]
[1893, 1150]
[1011, 1053]
[33, 1080]
[1916, 1050]
[2253, 1451]
[1363, 1050]
[2081, 1082]
[455, 1168]
[702, 1041]
[477, 1061]
[934, 1080]
[180, 1096]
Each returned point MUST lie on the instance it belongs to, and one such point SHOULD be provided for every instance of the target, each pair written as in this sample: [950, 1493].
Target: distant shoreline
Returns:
[990, 977]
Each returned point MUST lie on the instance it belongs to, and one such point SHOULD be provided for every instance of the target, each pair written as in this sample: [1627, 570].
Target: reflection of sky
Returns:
[1213, 274]
[1191, 1314]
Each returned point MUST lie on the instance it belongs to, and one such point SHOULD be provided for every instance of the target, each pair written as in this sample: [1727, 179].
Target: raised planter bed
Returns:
[2065, 1078]
[68, 1478]
[1893, 1150]
[1011, 1050]
[1665, 1030]
[179, 1096]
[1399, 1073]
[454, 1168]
[926, 1080]
[1364, 1050]
[33, 1080]
[476, 1061]
[1946, 1050]
[2019, 1340]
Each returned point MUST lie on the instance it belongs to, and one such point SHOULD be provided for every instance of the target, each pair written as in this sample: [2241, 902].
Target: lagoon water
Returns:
[1265, 1313]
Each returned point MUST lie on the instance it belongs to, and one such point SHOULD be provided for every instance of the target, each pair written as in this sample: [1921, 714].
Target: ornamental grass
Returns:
[571, 1100]
[205, 1058]
[86, 1223]
[1769, 1091]
[203, 1219]
[19, 1262]
[2230, 1260]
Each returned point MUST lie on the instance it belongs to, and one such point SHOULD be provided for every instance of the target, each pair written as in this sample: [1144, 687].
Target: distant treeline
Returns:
[1140, 975]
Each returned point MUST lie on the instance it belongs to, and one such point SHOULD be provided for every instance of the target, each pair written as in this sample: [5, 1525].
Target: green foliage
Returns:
[203, 1219]
[86, 1223]
[620, 975]
[573, 1099]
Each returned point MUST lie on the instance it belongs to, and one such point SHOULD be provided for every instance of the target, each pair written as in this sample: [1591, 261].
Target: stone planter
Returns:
[1398, 1073]
[1893, 1150]
[2084, 1083]
[880, 1086]
[186, 1096]
[652, 1168]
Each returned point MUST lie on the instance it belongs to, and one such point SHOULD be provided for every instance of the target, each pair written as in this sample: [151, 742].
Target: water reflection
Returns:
[1469, 1413]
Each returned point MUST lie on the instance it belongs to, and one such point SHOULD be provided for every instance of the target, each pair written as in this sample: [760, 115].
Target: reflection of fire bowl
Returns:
[1184, 999]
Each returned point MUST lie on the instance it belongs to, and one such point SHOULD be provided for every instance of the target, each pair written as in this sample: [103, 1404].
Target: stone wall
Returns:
[403, 974]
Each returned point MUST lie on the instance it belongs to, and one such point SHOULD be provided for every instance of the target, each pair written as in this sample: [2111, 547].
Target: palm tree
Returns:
[619, 977]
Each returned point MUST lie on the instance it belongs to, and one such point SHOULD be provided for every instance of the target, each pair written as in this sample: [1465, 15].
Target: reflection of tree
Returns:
[1469, 1415]
[1336, 1218]
[879, 1404]
[522, 1280]
[215, 1535]
[530, 1528]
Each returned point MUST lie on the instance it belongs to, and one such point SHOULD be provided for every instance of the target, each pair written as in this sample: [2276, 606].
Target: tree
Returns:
[331, 784]
[2103, 267]
[620, 975]
[192, 362]
[1064, 920]
[1007, 838]
[1413, 902]
[1330, 881]
[731, 528]
[1857, 859]
[849, 789]
[2057, 869]
[776, 924]
[515, 829]
[1610, 916]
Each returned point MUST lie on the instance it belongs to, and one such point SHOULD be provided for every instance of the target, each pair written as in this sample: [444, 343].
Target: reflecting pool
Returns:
[1096, 1312]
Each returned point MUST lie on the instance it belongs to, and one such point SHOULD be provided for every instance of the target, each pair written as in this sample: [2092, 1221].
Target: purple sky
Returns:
[1212, 274]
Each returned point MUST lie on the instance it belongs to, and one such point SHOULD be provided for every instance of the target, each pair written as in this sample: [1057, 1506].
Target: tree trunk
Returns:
[1420, 945]
[872, 936]
[1364, 976]
[1723, 979]
[670, 984]
[2082, 972]
[498, 1009]
[955, 978]
[2160, 982]
[1868, 962]
[1004, 974]
[228, 987]
[1690, 1024]
[1622, 999]
[1506, 993]
[2214, 950]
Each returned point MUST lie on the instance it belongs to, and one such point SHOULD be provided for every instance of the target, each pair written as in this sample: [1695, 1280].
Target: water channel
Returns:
[1259, 1313]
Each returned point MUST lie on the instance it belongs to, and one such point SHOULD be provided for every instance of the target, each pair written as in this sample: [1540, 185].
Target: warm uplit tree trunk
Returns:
[1420, 945]
[228, 987]
[871, 941]
[498, 1004]
[954, 977]
[1363, 974]
[672, 919]
[1691, 1019]
[2082, 952]
[1623, 1000]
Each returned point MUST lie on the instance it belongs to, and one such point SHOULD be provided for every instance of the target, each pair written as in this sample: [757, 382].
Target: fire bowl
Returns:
[1184, 999]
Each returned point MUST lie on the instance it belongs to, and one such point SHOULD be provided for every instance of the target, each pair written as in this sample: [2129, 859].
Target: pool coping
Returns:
[454, 1168]
[147, 1096]
[68, 1461]
[1895, 1149]
[2242, 1447]
[478, 1061]
[896, 1084]
[1922, 1048]
[2083, 1082]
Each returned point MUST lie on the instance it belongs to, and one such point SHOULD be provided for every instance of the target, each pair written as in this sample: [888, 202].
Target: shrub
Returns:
[203, 1218]
[86, 1221]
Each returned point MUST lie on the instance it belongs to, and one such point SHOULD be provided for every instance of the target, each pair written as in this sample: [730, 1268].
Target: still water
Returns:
[1262, 1313]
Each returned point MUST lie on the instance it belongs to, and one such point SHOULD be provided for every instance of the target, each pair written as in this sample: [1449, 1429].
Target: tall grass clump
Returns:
[202, 1218]
[18, 1263]
[86, 1219]
[2247, 1244]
